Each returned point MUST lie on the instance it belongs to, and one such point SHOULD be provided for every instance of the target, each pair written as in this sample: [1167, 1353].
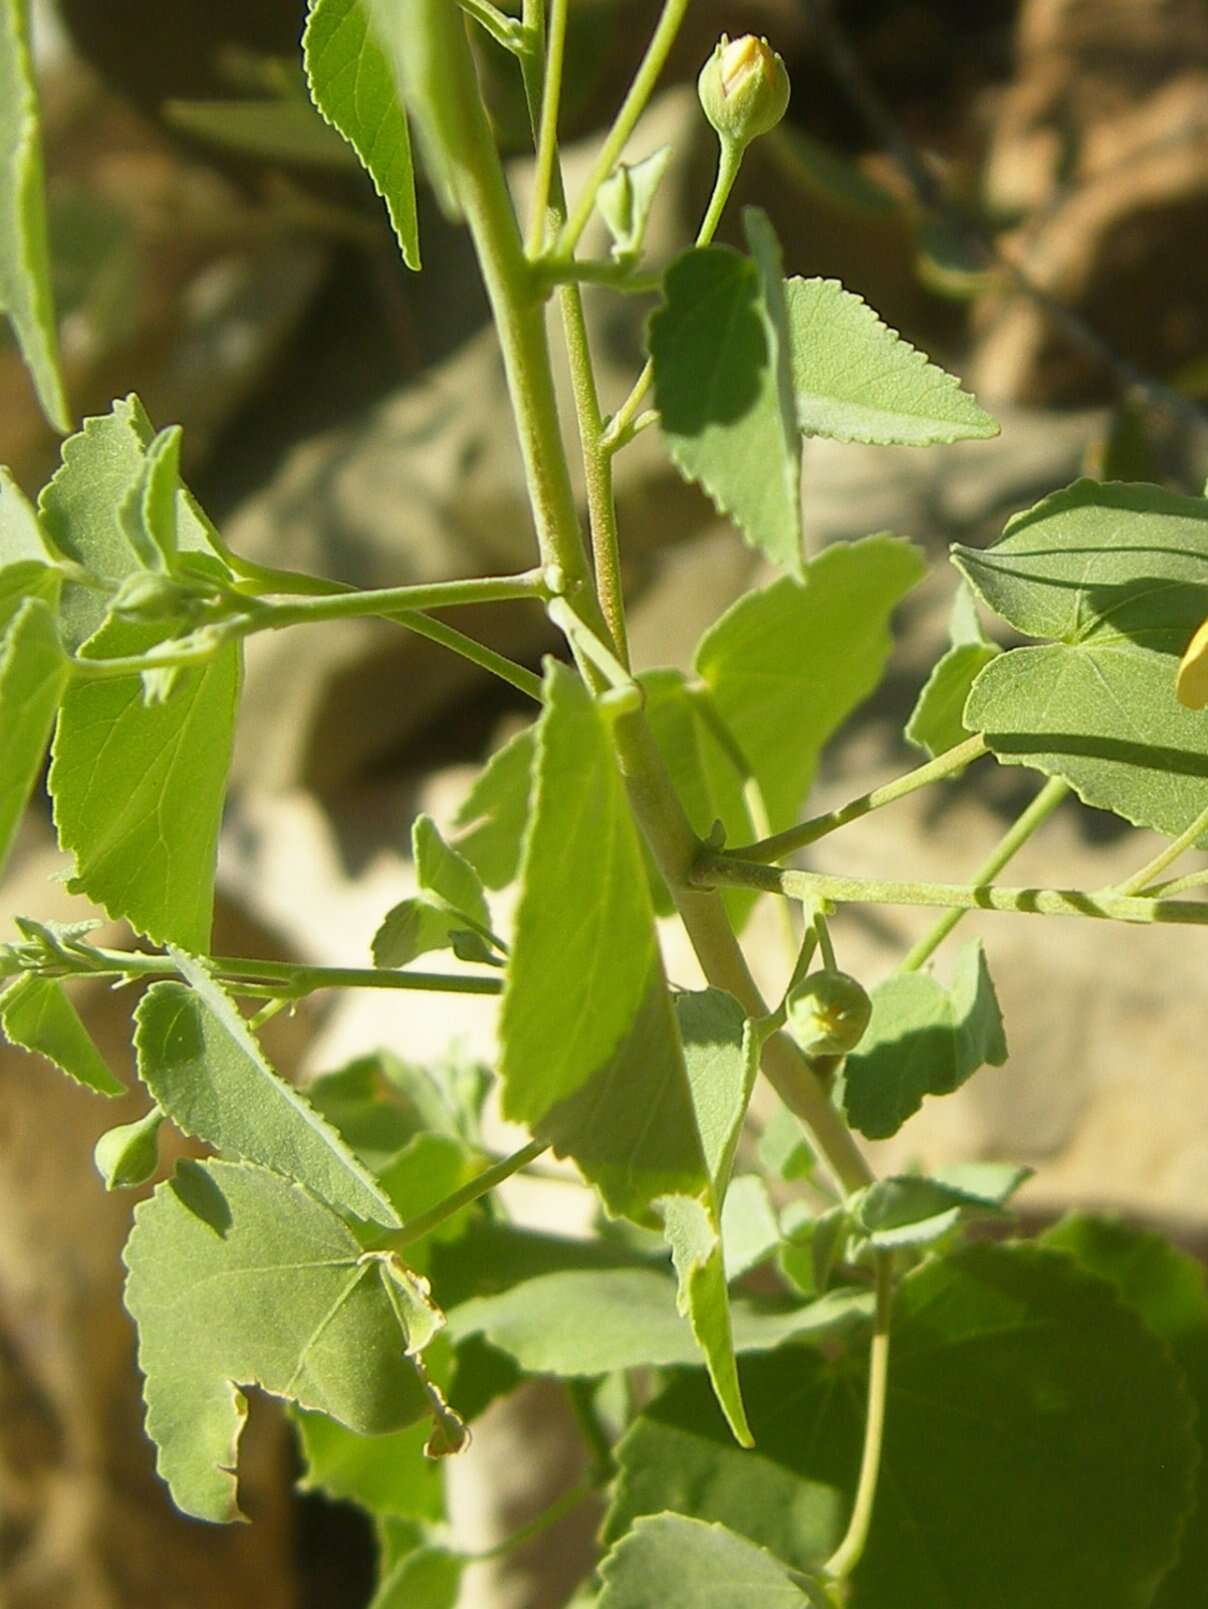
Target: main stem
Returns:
[445, 89]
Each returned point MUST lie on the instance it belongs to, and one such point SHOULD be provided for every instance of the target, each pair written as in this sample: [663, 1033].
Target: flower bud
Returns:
[744, 89]
[1191, 683]
[828, 1013]
[129, 1155]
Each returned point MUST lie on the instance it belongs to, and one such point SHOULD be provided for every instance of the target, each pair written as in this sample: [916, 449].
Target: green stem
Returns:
[847, 1555]
[597, 469]
[1036, 814]
[547, 138]
[416, 1228]
[563, 1505]
[1166, 857]
[618, 276]
[503, 29]
[729, 162]
[507, 670]
[1177, 885]
[632, 108]
[808, 832]
[1099, 905]
[675, 847]
[289, 980]
[440, 77]
[581, 636]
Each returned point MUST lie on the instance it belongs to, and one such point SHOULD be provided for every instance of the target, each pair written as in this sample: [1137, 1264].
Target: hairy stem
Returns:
[808, 832]
[547, 136]
[481, 1185]
[1036, 814]
[713, 869]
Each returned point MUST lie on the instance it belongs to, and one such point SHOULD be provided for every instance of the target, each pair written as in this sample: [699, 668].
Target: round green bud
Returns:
[147, 596]
[828, 1013]
[129, 1155]
[744, 89]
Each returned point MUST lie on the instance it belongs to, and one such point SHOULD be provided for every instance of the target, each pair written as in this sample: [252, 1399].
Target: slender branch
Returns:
[847, 1555]
[507, 670]
[808, 832]
[618, 276]
[547, 138]
[1165, 857]
[288, 980]
[484, 1182]
[1177, 885]
[729, 162]
[597, 470]
[1036, 814]
[632, 108]
[503, 29]
[713, 869]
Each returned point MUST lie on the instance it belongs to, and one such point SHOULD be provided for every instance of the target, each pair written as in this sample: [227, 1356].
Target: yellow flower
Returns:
[1191, 683]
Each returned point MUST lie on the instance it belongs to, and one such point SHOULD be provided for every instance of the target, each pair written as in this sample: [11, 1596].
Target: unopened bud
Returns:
[828, 1013]
[744, 89]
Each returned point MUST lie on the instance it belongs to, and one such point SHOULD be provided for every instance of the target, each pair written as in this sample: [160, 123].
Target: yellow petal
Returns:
[1191, 683]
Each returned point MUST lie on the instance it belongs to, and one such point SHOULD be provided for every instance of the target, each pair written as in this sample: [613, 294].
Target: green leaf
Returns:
[785, 666]
[720, 379]
[237, 1278]
[200, 1061]
[707, 776]
[584, 961]
[694, 1235]
[589, 1321]
[21, 535]
[1166, 1287]
[102, 465]
[1036, 1448]
[25, 293]
[453, 903]
[923, 1039]
[914, 1210]
[722, 1058]
[36, 1014]
[34, 674]
[284, 130]
[626, 197]
[936, 723]
[387, 1474]
[669, 1561]
[1116, 575]
[495, 812]
[138, 788]
[783, 1149]
[427, 1578]
[148, 510]
[857, 380]
[749, 1231]
[811, 1246]
[353, 85]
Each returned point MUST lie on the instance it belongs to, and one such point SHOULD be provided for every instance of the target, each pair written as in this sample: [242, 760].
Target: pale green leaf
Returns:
[857, 380]
[36, 1014]
[240, 1278]
[694, 1235]
[786, 665]
[353, 85]
[415, 926]
[1037, 1447]
[715, 345]
[148, 510]
[446, 873]
[427, 1578]
[707, 776]
[21, 535]
[1117, 575]
[387, 1474]
[495, 812]
[914, 1210]
[923, 1039]
[626, 197]
[670, 1561]
[722, 1057]
[138, 788]
[128, 1156]
[202, 1064]
[34, 675]
[80, 508]
[588, 1321]
[584, 960]
[284, 130]
[25, 292]
[749, 1231]
[936, 723]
